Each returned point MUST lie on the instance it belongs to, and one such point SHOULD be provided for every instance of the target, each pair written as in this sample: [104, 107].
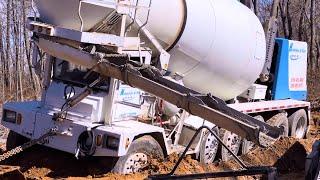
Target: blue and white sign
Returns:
[290, 70]
[298, 62]
[127, 104]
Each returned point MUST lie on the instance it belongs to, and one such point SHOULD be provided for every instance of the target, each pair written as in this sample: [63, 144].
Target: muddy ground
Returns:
[39, 162]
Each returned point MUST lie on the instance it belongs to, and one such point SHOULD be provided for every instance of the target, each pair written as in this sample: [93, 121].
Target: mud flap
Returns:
[11, 172]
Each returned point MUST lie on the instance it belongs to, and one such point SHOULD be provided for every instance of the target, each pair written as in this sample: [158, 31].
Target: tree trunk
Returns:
[289, 20]
[318, 52]
[256, 7]
[301, 20]
[21, 59]
[16, 47]
[283, 15]
[313, 34]
[7, 67]
[246, 3]
[27, 49]
[2, 62]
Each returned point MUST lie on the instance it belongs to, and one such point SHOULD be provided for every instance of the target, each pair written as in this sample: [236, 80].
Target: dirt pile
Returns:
[187, 166]
[287, 154]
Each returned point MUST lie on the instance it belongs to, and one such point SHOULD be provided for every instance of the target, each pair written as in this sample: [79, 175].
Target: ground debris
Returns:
[11, 172]
[287, 154]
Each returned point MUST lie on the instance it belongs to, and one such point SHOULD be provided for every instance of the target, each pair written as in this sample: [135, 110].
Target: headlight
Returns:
[111, 142]
[9, 116]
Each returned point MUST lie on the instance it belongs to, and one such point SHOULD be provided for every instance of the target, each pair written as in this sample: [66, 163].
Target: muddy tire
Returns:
[247, 146]
[14, 139]
[280, 120]
[140, 152]
[233, 142]
[298, 124]
[209, 147]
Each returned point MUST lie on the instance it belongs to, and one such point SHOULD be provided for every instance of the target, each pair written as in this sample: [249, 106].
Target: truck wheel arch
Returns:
[139, 154]
[158, 136]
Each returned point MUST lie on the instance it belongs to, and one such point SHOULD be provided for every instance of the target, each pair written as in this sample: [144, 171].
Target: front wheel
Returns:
[14, 139]
[139, 155]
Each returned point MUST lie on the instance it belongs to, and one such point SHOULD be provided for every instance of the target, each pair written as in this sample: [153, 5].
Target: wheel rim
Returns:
[211, 149]
[300, 128]
[233, 142]
[135, 163]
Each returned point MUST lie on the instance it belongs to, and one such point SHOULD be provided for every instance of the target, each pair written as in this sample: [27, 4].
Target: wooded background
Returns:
[298, 20]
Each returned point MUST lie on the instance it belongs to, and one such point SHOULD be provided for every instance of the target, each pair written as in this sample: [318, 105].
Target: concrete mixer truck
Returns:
[135, 79]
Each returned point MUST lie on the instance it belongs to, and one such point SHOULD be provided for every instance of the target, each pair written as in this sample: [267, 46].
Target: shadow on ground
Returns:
[58, 164]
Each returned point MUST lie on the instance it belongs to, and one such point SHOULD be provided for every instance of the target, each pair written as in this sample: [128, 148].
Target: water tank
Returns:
[218, 46]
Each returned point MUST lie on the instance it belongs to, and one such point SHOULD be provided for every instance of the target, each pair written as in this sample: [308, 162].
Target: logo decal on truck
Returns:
[295, 57]
[297, 50]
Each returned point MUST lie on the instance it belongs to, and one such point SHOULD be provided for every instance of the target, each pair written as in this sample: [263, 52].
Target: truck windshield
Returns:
[68, 73]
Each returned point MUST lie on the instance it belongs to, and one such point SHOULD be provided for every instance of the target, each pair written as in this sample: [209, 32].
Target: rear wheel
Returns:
[298, 124]
[248, 145]
[233, 142]
[14, 139]
[280, 120]
[209, 147]
[140, 152]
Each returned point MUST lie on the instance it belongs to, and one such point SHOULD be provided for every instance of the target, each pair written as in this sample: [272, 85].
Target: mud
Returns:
[38, 162]
[287, 154]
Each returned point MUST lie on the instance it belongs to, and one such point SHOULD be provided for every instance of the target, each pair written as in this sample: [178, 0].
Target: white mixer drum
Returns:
[222, 49]
[218, 46]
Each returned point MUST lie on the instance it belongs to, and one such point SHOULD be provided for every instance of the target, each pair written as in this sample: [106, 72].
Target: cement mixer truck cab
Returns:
[96, 115]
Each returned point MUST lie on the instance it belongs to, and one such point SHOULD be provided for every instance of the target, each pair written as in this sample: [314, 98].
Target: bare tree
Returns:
[256, 7]
[27, 47]
[286, 18]
[7, 67]
[301, 19]
[2, 62]
[313, 34]
[16, 46]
